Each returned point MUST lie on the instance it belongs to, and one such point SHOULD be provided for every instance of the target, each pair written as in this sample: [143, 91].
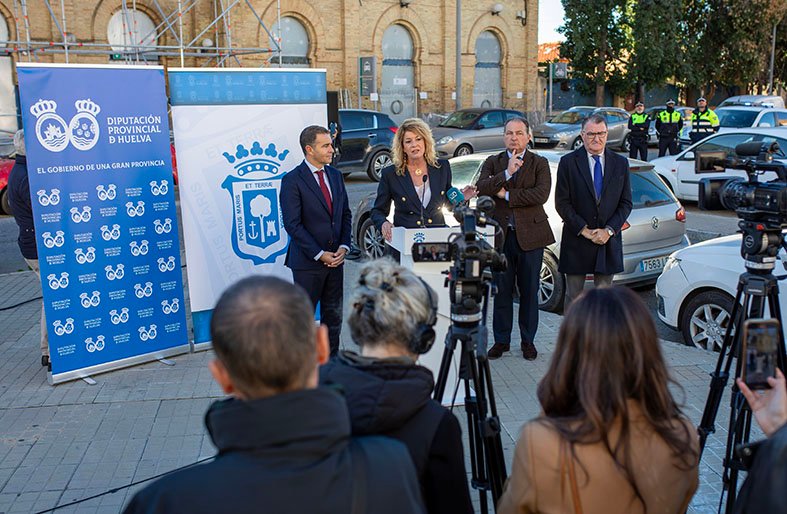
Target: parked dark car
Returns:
[364, 142]
[472, 130]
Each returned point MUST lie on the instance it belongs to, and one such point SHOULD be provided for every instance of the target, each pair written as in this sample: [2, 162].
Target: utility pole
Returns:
[458, 54]
[773, 52]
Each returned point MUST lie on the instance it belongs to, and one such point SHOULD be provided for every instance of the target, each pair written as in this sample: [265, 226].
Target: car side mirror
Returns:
[480, 126]
[689, 156]
[765, 124]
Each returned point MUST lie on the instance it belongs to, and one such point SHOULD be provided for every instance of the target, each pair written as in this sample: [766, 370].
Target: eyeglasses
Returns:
[596, 135]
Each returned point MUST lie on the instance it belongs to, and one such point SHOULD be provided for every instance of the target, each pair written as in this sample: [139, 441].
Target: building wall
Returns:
[339, 32]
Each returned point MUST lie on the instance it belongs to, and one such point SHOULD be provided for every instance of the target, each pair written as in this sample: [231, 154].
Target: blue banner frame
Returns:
[100, 171]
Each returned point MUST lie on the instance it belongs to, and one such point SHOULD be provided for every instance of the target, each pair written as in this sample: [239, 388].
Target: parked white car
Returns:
[678, 170]
[697, 289]
[738, 117]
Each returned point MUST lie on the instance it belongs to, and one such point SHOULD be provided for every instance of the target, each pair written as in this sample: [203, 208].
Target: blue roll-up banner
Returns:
[100, 170]
[237, 134]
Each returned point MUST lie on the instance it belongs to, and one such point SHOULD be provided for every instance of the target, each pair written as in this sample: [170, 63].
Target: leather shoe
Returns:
[529, 351]
[45, 360]
[497, 350]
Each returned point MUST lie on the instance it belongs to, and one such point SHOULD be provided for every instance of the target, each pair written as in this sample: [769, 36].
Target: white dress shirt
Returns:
[592, 164]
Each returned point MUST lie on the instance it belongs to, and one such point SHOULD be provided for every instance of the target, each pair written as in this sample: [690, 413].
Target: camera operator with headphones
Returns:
[392, 315]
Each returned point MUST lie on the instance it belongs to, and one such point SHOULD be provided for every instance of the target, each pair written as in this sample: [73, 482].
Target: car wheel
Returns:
[370, 240]
[381, 160]
[5, 204]
[705, 319]
[578, 143]
[626, 146]
[551, 287]
[463, 150]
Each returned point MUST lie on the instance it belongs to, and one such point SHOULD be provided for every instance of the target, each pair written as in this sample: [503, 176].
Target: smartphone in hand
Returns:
[760, 345]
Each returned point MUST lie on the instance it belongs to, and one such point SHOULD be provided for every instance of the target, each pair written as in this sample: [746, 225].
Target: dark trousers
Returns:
[668, 142]
[575, 284]
[638, 146]
[698, 136]
[523, 269]
[325, 286]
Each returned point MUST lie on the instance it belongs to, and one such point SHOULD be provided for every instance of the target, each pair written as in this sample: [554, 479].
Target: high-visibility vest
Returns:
[667, 117]
[704, 122]
[639, 119]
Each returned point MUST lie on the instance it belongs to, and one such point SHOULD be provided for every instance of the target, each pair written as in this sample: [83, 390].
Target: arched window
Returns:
[294, 44]
[397, 96]
[487, 91]
[130, 27]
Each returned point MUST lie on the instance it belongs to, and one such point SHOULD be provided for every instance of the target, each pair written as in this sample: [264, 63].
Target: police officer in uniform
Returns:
[668, 124]
[639, 124]
[704, 121]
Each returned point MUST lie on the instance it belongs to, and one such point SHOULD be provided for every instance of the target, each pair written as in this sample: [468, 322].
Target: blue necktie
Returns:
[597, 177]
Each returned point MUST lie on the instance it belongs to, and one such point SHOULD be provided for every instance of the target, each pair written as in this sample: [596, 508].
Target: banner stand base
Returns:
[166, 362]
[89, 381]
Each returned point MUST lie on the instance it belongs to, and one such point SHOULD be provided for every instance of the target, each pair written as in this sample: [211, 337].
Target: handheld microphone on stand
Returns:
[423, 194]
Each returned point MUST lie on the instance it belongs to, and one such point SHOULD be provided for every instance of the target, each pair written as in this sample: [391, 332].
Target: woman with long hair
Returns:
[417, 182]
[611, 438]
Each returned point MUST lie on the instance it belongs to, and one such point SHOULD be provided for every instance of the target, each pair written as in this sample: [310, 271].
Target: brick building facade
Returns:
[413, 42]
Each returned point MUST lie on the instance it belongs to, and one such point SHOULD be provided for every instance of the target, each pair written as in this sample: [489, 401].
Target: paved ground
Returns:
[64, 443]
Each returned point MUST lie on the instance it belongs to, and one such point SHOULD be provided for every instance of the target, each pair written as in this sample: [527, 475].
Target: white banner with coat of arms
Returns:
[236, 135]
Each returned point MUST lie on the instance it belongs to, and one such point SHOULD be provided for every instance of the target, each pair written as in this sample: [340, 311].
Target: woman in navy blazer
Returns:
[416, 183]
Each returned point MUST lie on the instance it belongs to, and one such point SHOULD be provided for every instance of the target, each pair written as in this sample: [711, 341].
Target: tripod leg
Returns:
[445, 365]
[496, 466]
[719, 378]
[477, 462]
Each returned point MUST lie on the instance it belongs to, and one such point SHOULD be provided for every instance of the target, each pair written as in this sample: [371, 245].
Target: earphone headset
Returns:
[424, 334]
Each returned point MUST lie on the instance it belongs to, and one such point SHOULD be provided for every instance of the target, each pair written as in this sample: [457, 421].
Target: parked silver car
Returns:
[655, 228]
[472, 130]
[562, 131]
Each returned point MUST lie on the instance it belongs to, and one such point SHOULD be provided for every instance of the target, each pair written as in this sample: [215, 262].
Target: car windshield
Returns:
[570, 117]
[460, 120]
[648, 190]
[463, 172]
[735, 118]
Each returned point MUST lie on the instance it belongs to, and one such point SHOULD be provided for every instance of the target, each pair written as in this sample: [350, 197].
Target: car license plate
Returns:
[654, 264]
[541, 139]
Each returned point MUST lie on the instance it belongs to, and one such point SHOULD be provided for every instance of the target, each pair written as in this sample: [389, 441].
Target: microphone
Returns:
[423, 195]
[455, 196]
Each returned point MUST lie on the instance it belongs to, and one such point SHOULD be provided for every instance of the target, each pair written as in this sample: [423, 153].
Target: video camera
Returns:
[760, 206]
[752, 200]
[472, 255]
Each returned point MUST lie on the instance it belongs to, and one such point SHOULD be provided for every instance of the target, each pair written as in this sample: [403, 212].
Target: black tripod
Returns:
[756, 286]
[483, 425]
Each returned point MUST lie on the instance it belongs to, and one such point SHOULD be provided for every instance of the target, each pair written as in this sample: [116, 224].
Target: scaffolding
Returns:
[218, 51]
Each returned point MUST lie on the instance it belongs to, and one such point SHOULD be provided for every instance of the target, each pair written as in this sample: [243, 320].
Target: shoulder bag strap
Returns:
[358, 462]
[572, 476]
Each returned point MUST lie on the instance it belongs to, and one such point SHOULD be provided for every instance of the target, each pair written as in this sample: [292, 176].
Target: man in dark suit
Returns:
[593, 196]
[317, 217]
[519, 181]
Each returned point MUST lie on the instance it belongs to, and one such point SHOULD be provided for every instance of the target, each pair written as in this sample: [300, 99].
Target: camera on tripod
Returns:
[755, 344]
[472, 256]
[760, 206]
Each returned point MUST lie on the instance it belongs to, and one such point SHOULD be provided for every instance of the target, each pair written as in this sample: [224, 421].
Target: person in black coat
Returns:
[763, 490]
[284, 445]
[22, 210]
[387, 393]
[594, 201]
[416, 182]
